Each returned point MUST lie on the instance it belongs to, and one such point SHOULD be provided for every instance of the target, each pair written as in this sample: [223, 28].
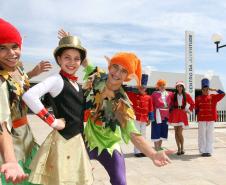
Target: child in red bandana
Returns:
[16, 140]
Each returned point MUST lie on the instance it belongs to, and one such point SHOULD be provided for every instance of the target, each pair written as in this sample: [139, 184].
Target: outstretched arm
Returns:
[41, 67]
[159, 158]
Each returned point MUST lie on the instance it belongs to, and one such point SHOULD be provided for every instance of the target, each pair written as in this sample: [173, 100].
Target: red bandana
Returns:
[9, 34]
[69, 76]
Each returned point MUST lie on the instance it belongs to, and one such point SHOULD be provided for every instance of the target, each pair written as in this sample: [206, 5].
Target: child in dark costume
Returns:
[62, 158]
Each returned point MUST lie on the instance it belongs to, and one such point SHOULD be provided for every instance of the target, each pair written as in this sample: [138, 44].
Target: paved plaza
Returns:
[190, 169]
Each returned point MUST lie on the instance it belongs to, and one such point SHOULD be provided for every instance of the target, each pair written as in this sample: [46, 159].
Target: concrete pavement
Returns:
[189, 169]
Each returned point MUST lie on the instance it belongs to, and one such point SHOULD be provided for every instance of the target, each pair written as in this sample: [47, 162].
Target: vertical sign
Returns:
[189, 63]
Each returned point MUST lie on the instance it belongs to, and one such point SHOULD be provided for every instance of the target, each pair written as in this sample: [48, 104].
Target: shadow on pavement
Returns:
[185, 157]
[129, 155]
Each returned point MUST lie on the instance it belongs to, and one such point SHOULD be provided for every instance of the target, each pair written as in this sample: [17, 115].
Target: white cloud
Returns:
[37, 52]
[154, 30]
[209, 74]
[148, 69]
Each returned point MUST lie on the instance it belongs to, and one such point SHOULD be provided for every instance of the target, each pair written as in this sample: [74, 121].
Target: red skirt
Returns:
[178, 117]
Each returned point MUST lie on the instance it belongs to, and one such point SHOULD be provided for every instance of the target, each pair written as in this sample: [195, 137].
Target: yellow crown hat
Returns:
[70, 42]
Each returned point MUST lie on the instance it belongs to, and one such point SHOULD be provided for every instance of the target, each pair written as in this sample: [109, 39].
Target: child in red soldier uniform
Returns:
[142, 105]
[206, 111]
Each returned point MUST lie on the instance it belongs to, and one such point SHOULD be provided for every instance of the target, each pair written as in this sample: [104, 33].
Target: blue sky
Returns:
[154, 30]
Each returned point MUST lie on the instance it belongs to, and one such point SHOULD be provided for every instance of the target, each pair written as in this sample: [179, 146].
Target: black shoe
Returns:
[137, 155]
[208, 155]
[178, 153]
[182, 152]
[142, 155]
[204, 154]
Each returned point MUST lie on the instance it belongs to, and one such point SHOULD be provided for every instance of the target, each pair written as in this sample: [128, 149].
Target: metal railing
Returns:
[192, 117]
[221, 116]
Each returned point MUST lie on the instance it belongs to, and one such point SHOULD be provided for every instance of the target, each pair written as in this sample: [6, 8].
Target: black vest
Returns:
[69, 104]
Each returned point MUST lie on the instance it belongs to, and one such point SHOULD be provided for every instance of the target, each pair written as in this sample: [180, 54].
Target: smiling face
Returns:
[69, 60]
[9, 55]
[180, 88]
[162, 88]
[117, 75]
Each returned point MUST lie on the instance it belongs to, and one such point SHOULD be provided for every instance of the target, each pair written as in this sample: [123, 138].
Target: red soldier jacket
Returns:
[142, 105]
[206, 106]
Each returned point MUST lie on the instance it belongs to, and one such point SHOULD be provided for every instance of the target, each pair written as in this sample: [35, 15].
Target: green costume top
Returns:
[110, 115]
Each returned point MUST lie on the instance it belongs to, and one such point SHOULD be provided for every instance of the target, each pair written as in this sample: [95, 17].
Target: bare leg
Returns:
[156, 145]
[160, 144]
[177, 140]
[181, 138]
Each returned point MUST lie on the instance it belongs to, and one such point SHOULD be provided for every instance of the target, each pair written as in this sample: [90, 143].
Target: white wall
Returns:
[171, 79]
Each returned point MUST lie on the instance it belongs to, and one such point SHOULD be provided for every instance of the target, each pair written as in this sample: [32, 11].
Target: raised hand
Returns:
[41, 67]
[212, 89]
[62, 33]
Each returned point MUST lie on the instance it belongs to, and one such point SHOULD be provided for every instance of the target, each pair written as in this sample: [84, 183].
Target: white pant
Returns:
[141, 127]
[206, 136]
